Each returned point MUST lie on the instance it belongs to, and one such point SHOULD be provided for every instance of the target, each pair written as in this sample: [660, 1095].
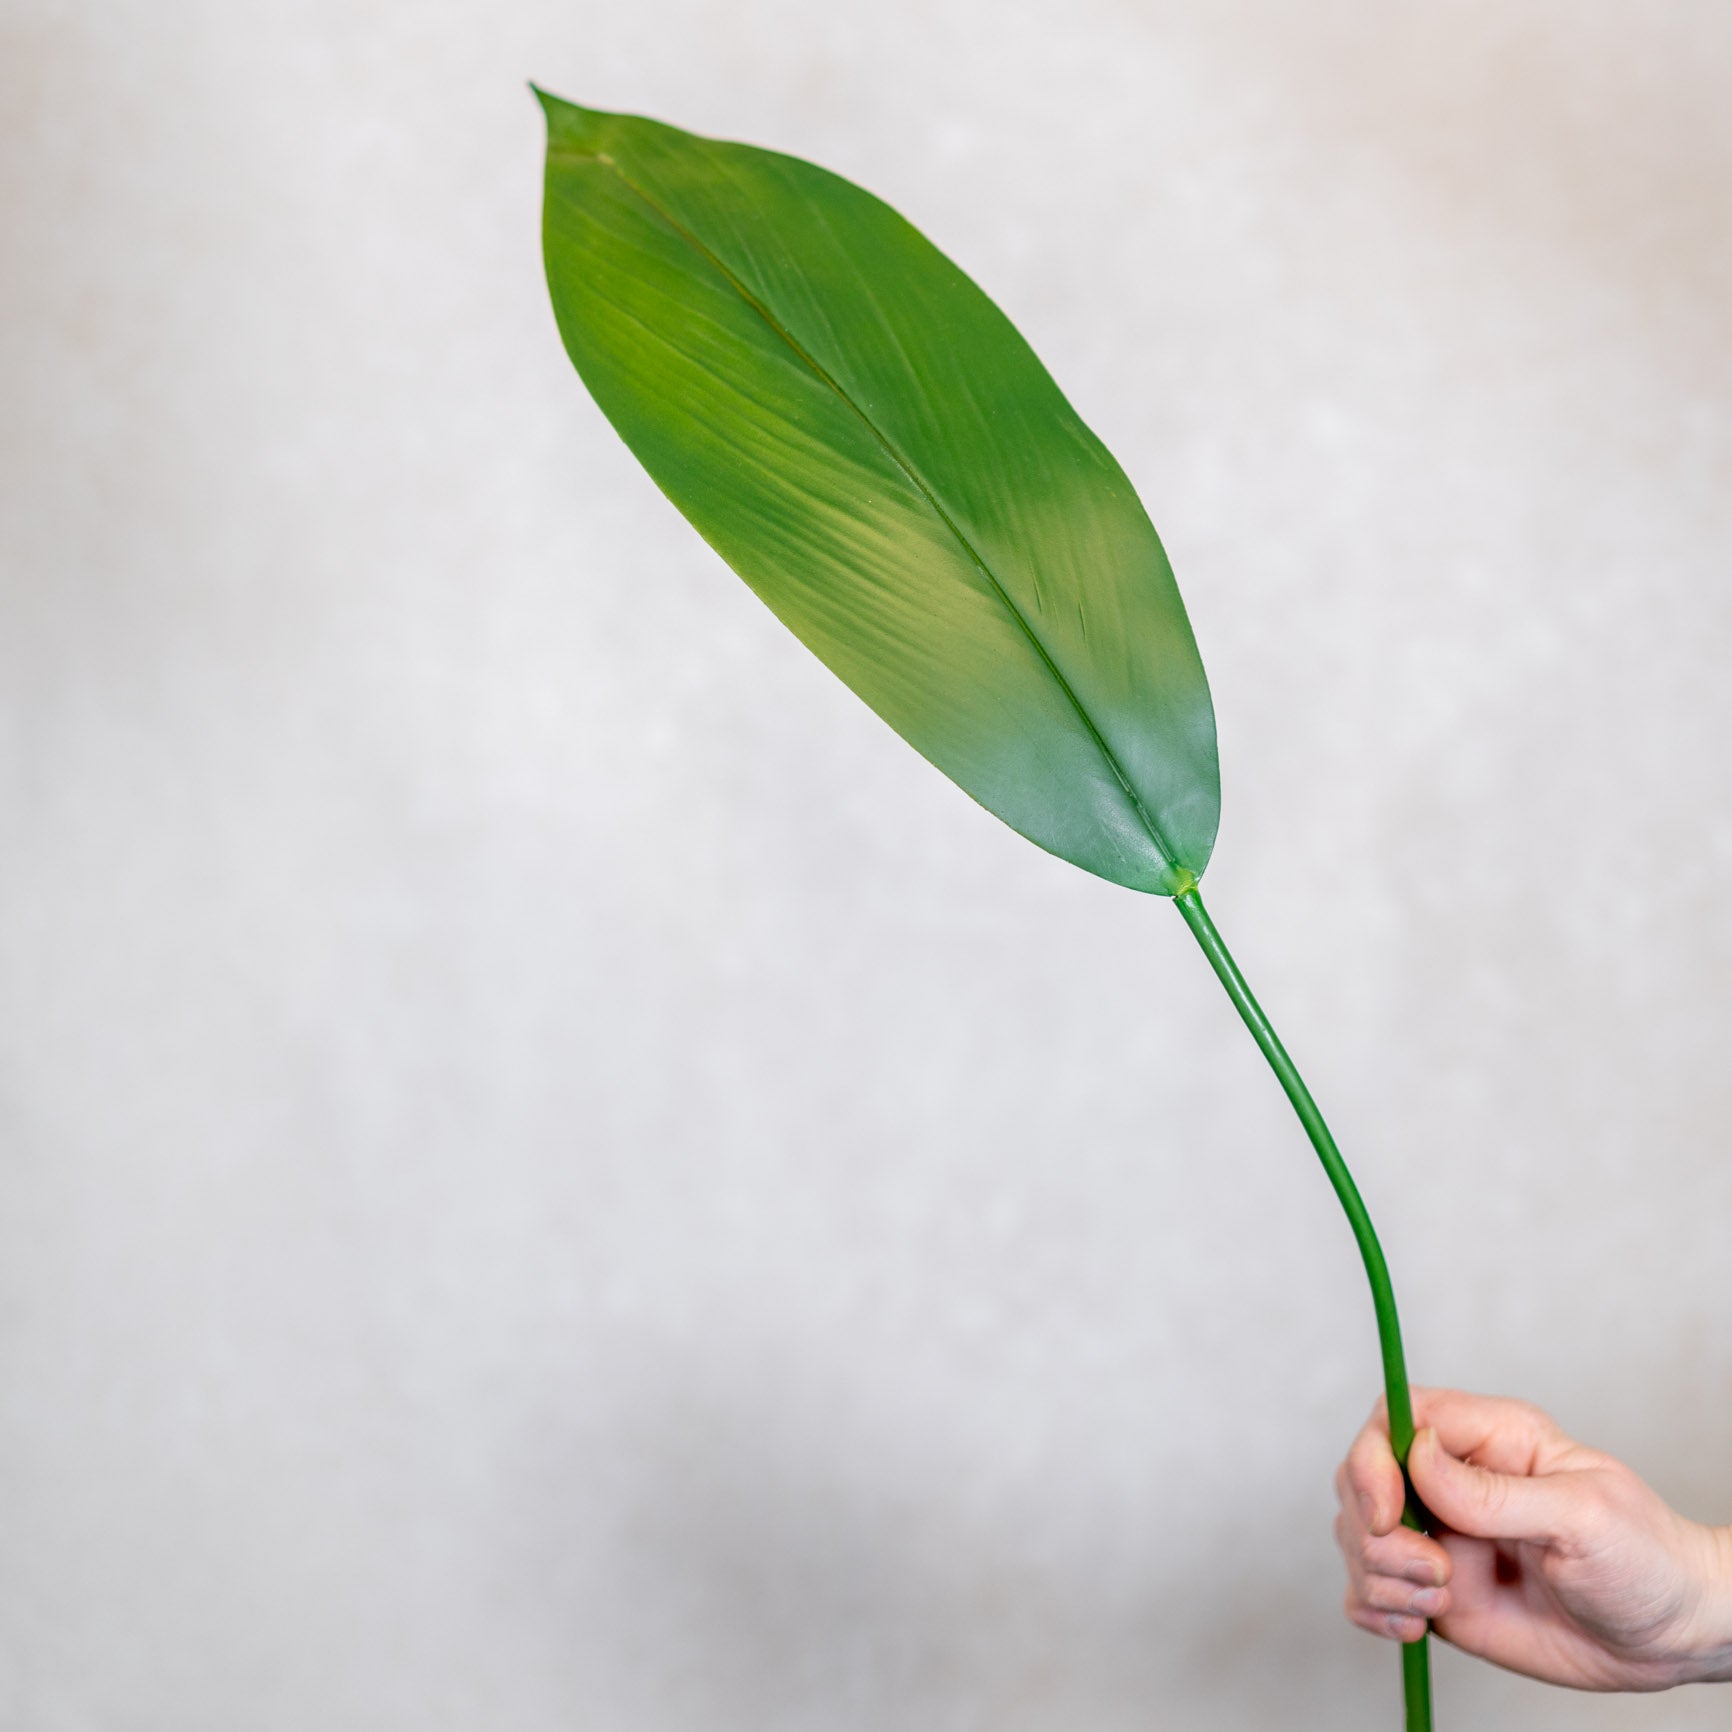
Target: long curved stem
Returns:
[1415, 1658]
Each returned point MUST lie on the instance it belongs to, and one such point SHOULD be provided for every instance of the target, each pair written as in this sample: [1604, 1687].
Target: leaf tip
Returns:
[570, 126]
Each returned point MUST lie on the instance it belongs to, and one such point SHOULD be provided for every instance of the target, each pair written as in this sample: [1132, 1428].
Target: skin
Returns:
[1549, 1558]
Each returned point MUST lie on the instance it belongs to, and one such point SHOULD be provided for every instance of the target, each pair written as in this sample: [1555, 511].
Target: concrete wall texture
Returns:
[554, 1174]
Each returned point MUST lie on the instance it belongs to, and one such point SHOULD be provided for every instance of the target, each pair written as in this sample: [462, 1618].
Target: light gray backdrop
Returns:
[554, 1174]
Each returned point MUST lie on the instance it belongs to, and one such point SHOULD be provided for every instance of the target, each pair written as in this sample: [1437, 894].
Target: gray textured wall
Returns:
[555, 1175]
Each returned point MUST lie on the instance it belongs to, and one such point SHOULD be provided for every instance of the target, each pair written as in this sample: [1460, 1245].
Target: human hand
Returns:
[1549, 1558]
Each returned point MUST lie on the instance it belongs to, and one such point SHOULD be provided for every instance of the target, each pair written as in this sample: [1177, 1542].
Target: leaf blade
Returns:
[866, 439]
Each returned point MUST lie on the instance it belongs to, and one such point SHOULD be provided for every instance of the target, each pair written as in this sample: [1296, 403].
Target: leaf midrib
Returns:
[915, 478]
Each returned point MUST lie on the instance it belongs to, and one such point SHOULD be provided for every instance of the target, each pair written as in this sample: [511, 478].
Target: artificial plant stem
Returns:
[1415, 1662]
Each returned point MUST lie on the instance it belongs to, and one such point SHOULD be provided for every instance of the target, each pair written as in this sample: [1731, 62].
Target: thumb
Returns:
[1490, 1506]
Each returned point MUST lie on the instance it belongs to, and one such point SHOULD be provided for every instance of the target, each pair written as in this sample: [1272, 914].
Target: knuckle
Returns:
[1378, 1623]
[1490, 1492]
[1382, 1555]
[1536, 1419]
[1597, 1510]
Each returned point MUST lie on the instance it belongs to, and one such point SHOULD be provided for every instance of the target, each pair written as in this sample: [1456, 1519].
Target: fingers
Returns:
[1396, 1578]
[1371, 1477]
[1506, 1436]
[1392, 1577]
[1487, 1467]
[1494, 1505]
[1387, 1572]
[1394, 1626]
[1404, 1555]
[1397, 1604]
[1509, 1438]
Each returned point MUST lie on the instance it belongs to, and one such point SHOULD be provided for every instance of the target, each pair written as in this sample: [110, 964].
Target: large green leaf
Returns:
[868, 441]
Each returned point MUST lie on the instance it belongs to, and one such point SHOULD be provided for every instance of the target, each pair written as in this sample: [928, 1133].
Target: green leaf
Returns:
[872, 446]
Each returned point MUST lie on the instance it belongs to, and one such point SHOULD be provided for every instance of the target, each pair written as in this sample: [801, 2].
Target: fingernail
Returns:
[1396, 1624]
[1424, 1572]
[1426, 1601]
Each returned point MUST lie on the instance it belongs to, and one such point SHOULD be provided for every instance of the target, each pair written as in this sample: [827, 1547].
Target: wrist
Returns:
[1708, 1658]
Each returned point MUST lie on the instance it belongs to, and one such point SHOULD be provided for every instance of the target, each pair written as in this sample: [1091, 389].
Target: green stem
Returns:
[1415, 1661]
